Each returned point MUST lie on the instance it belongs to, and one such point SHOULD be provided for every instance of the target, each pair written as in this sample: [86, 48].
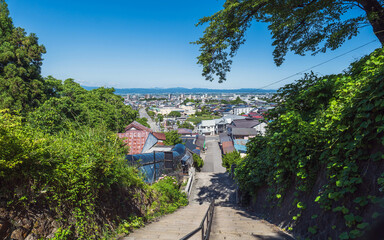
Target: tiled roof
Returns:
[244, 132]
[184, 131]
[160, 136]
[245, 123]
[137, 126]
[228, 147]
[135, 139]
[200, 141]
[224, 137]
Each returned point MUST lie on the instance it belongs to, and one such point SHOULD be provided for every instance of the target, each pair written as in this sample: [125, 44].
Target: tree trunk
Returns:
[375, 15]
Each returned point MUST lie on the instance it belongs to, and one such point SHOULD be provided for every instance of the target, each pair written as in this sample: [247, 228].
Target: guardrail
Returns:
[205, 225]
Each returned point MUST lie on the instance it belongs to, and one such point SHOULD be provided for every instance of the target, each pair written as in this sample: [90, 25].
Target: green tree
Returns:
[198, 162]
[71, 105]
[186, 125]
[298, 26]
[231, 158]
[143, 121]
[174, 114]
[160, 117]
[172, 138]
[237, 101]
[21, 85]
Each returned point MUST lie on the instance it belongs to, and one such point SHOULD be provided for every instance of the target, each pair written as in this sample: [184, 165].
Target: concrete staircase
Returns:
[229, 220]
[173, 226]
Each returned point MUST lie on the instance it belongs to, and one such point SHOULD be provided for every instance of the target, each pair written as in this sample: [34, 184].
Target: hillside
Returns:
[319, 170]
[63, 172]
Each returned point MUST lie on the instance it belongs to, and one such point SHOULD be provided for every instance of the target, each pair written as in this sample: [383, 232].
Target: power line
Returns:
[298, 73]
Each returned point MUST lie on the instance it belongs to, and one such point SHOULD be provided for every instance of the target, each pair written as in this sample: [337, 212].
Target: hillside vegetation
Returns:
[319, 170]
[63, 173]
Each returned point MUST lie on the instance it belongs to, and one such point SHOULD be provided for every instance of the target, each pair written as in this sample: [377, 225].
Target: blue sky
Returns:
[134, 44]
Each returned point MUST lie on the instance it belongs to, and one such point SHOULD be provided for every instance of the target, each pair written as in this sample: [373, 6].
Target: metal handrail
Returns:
[209, 217]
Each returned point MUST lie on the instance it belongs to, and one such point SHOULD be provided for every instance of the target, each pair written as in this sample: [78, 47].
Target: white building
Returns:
[242, 110]
[207, 127]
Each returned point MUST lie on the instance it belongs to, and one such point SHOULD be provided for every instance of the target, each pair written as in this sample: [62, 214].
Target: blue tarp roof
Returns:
[179, 153]
[240, 145]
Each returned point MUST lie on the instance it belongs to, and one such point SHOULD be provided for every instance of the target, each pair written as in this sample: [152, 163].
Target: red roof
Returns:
[159, 136]
[228, 147]
[135, 139]
[258, 117]
[137, 126]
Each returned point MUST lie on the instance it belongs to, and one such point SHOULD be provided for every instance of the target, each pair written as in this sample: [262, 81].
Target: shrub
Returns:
[169, 197]
[231, 158]
[198, 162]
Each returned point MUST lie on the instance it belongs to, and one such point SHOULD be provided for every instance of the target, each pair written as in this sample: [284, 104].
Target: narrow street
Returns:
[151, 123]
[212, 157]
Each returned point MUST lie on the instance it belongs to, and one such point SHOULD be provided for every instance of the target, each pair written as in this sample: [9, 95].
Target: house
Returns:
[184, 132]
[227, 147]
[206, 127]
[216, 126]
[200, 142]
[260, 127]
[241, 146]
[242, 110]
[190, 144]
[140, 138]
[165, 160]
[226, 143]
[256, 115]
[243, 133]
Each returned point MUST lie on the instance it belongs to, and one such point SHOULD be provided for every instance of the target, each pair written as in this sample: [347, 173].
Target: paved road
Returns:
[212, 157]
[151, 123]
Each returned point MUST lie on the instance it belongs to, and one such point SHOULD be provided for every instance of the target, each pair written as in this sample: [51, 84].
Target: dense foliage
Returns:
[174, 114]
[186, 125]
[172, 138]
[231, 158]
[74, 106]
[67, 171]
[21, 86]
[298, 26]
[169, 195]
[198, 162]
[60, 155]
[332, 124]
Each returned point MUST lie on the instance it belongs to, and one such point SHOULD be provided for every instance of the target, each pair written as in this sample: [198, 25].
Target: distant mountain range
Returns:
[123, 91]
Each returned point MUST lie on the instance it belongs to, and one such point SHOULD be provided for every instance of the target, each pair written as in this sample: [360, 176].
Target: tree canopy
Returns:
[21, 85]
[172, 138]
[75, 106]
[174, 114]
[298, 26]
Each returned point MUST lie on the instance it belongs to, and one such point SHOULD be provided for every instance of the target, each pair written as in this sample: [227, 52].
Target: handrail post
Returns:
[206, 220]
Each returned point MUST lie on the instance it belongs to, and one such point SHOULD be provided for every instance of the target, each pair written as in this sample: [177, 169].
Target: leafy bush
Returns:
[69, 170]
[231, 158]
[172, 138]
[169, 197]
[198, 162]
